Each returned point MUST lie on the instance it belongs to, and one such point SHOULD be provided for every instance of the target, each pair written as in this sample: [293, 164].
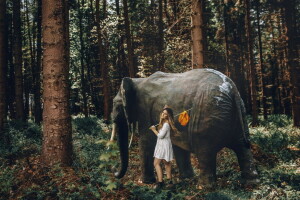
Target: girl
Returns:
[163, 149]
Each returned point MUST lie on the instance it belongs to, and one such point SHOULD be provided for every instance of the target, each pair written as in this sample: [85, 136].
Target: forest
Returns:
[62, 63]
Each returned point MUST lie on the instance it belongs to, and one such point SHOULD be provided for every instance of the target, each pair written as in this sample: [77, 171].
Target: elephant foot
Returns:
[207, 182]
[250, 179]
[187, 175]
[250, 182]
[148, 180]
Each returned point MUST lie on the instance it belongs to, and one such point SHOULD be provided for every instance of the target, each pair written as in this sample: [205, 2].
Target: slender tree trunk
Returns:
[57, 130]
[11, 78]
[225, 16]
[161, 57]
[197, 34]
[17, 59]
[82, 64]
[293, 59]
[261, 78]
[123, 68]
[285, 76]
[104, 68]
[251, 66]
[234, 23]
[131, 66]
[29, 63]
[37, 71]
[3, 65]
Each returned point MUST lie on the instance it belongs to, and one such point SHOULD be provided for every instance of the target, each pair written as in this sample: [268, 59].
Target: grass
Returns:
[275, 147]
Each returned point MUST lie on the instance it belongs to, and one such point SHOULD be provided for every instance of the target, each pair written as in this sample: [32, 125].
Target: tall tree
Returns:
[82, 56]
[234, 34]
[57, 130]
[131, 65]
[251, 66]
[197, 33]
[17, 59]
[261, 63]
[3, 64]
[161, 57]
[103, 65]
[293, 59]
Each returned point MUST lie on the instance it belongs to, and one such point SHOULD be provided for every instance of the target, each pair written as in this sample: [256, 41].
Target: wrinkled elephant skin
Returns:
[217, 120]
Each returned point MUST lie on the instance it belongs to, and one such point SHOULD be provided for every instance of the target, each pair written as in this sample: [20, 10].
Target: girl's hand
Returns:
[152, 128]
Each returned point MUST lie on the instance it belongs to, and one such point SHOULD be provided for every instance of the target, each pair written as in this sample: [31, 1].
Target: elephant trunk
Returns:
[122, 129]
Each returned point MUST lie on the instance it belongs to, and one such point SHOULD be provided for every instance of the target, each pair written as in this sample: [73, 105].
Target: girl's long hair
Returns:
[170, 119]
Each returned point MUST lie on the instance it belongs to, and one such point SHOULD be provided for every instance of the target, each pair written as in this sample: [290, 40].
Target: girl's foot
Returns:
[159, 185]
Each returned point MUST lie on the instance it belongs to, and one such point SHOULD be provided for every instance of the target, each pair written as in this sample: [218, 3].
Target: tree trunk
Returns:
[104, 67]
[161, 57]
[131, 66]
[261, 66]
[197, 34]
[17, 59]
[37, 71]
[234, 30]
[29, 62]
[3, 65]
[82, 64]
[251, 66]
[11, 73]
[293, 59]
[57, 130]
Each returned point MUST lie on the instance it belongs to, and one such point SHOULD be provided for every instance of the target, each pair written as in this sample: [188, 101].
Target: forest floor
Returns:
[275, 147]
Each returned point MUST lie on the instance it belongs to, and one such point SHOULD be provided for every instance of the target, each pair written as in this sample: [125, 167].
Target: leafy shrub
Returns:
[275, 121]
[87, 125]
[272, 142]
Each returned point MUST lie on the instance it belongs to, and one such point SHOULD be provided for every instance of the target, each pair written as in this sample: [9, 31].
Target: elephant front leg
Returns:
[183, 162]
[146, 159]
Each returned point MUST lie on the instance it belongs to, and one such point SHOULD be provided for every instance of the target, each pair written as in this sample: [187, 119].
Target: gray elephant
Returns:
[217, 120]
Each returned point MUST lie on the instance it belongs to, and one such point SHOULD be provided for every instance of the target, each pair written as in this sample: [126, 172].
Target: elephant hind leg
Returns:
[246, 162]
[183, 161]
[207, 165]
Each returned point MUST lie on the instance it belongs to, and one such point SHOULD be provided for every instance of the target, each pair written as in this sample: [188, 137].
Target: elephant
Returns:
[217, 120]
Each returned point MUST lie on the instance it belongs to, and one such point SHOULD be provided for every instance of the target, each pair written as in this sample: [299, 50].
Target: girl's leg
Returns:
[158, 169]
[168, 167]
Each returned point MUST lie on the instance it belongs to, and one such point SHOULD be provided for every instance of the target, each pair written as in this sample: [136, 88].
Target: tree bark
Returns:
[3, 65]
[57, 130]
[293, 59]
[131, 66]
[197, 34]
[17, 59]
[251, 66]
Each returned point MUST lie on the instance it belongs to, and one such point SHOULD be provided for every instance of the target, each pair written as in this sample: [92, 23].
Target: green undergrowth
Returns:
[275, 147]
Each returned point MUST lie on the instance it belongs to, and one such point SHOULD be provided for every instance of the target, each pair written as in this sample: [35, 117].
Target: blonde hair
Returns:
[170, 120]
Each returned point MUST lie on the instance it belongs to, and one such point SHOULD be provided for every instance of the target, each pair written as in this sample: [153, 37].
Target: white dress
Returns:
[163, 148]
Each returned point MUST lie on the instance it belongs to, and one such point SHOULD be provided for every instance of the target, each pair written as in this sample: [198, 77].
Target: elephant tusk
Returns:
[113, 133]
[130, 139]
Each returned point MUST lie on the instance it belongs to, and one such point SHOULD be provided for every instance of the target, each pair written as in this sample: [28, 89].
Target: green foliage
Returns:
[271, 141]
[91, 176]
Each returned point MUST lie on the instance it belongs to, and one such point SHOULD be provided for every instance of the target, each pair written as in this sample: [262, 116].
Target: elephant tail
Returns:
[241, 114]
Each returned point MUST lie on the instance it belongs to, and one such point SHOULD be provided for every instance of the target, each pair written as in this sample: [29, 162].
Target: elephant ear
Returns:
[128, 98]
